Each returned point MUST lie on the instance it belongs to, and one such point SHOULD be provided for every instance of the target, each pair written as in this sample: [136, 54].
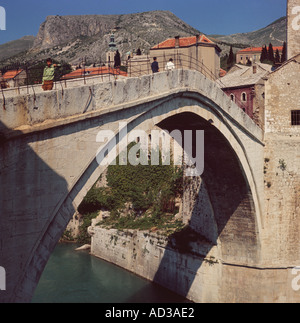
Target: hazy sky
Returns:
[23, 17]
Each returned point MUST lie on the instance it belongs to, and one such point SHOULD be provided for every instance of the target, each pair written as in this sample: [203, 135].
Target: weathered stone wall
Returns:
[150, 255]
[200, 277]
[282, 167]
[282, 96]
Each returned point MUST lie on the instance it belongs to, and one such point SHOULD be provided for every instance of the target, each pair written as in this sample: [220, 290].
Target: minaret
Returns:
[293, 28]
[110, 55]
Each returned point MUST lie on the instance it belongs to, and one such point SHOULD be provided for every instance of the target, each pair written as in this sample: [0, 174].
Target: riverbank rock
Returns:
[84, 247]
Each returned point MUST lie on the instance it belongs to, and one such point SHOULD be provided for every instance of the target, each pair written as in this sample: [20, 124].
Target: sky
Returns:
[23, 17]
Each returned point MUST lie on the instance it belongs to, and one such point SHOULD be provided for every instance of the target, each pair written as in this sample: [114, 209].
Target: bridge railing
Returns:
[22, 78]
[141, 65]
[28, 80]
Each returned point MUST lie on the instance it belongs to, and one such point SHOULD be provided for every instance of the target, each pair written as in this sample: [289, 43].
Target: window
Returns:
[232, 97]
[296, 118]
[244, 97]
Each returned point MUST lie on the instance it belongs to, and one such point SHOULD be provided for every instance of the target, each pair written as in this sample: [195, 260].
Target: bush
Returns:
[149, 189]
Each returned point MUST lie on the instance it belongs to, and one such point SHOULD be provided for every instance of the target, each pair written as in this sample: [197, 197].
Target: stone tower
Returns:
[293, 28]
[110, 55]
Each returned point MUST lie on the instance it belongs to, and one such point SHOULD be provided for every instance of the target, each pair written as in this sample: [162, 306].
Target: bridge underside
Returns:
[234, 226]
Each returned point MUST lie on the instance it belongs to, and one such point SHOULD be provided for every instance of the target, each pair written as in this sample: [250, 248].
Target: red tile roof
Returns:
[183, 42]
[11, 74]
[222, 72]
[93, 71]
[258, 49]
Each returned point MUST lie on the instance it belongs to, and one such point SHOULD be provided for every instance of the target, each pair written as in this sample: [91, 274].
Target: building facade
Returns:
[282, 147]
[253, 54]
[245, 85]
[196, 53]
[14, 78]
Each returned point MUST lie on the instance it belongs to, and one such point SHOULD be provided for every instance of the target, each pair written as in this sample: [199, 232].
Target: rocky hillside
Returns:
[16, 46]
[274, 33]
[74, 38]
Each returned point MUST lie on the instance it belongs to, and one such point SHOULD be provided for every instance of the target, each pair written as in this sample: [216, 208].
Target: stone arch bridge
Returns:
[48, 164]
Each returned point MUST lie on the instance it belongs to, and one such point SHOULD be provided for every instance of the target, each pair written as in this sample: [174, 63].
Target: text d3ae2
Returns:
[152, 313]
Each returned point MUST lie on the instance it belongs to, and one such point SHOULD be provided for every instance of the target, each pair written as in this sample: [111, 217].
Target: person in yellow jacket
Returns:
[48, 75]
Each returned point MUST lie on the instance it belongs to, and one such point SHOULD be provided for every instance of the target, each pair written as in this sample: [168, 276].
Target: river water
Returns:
[77, 277]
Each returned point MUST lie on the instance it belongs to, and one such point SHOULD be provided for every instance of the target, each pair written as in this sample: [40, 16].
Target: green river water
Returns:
[77, 277]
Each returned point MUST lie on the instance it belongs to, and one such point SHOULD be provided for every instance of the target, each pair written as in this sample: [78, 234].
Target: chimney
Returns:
[197, 41]
[177, 41]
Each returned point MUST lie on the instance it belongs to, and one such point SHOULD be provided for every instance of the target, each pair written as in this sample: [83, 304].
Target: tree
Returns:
[277, 56]
[230, 61]
[264, 54]
[271, 53]
[117, 60]
[284, 53]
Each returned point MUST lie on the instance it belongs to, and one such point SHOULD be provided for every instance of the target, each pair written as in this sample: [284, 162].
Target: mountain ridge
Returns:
[274, 33]
[86, 37]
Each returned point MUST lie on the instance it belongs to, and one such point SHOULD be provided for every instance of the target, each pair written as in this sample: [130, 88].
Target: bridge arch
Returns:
[156, 111]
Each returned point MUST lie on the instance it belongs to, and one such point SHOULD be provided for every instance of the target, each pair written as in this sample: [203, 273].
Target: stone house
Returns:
[283, 100]
[253, 54]
[245, 85]
[196, 52]
[15, 78]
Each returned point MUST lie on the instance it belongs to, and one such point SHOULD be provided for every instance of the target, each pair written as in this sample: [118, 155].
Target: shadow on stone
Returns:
[219, 213]
[30, 226]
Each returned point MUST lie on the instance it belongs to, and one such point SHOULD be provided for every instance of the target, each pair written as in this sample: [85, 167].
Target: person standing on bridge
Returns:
[154, 65]
[170, 65]
[48, 75]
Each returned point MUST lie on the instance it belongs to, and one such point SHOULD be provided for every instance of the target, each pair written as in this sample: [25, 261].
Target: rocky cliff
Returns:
[58, 30]
[73, 38]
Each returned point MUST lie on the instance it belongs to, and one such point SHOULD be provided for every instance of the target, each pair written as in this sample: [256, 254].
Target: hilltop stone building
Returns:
[196, 52]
